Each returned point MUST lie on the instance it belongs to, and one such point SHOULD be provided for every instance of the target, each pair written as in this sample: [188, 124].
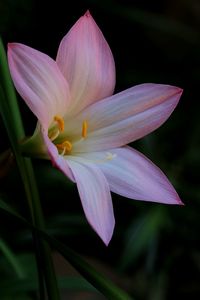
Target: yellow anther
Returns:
[66, 147]
[60, 122]
[84, 129]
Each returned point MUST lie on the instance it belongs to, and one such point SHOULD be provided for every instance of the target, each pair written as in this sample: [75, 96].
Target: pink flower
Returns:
[83, 129]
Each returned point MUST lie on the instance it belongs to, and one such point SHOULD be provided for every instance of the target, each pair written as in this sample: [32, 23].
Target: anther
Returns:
[84, 129]
[60, 122]
[66, 147]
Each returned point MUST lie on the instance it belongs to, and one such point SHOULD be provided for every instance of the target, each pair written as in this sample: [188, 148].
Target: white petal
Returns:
[125, 117]
[132, 175]
[95, 197]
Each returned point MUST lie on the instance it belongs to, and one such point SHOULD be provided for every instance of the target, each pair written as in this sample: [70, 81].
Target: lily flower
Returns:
[84, 129]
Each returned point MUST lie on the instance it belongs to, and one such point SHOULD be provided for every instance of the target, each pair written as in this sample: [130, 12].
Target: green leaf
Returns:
[12, 110]
[140, 235]
[18, 286]
[101, 283]
[104, 285]
[12, 259]
[12, 119]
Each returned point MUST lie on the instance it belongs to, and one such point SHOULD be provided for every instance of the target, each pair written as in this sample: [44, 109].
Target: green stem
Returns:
[12, 119]
[12, 260]
[47, 263]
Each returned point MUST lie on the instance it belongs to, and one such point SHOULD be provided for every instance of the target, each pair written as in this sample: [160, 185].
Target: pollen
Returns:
[84, 129]
[65, 147]
[61, 124]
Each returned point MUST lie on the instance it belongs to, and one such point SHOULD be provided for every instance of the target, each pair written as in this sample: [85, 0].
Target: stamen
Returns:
[84, 129]
[54, 134]
[66, 147]
[60, 122]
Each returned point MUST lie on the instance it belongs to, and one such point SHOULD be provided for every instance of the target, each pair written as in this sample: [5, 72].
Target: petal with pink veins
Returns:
[95, 197]
[39, 81]
[125, 117]
[86, 61]
[132, 175]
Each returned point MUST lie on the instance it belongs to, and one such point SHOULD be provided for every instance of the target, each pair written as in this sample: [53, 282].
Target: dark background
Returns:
[154, 253]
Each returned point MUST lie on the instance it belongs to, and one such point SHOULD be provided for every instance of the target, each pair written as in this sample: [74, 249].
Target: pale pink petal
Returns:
[125, 117]
[58, 161]
[86, 61]
[39, 81]
[95, 197]
[134, 176]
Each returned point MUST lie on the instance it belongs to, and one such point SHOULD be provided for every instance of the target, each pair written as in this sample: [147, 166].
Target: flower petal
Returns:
[92, 186]
[134, 176]
[125, 117]
[95, 197]
[58, 161]
[39, 82]
[86, 61]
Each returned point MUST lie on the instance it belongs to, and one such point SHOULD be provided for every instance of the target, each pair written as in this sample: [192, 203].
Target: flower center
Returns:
[63, 145]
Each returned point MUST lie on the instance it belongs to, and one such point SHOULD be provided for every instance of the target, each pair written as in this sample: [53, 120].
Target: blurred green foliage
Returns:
[155, 252]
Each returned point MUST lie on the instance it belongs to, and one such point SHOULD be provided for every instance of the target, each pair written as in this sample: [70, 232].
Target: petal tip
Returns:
[106, 239]
[179, 202]
[106, 236]
[9, 45]
[179, 90]
[106, 232]
[87, 14]
[12, 45]
[106, 243]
